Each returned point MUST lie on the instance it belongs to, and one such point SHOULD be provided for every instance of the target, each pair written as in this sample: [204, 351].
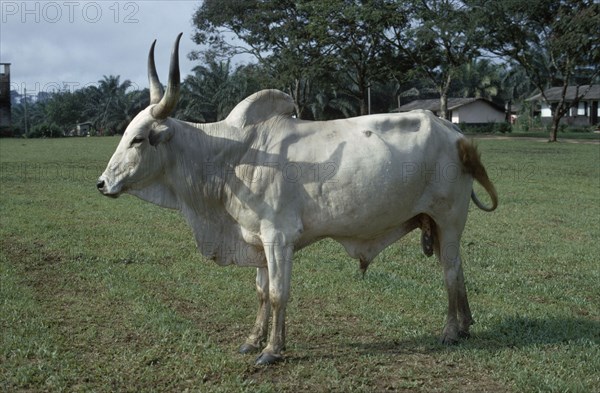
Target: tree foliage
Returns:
[304, 44]
[353, 35]
[109, 106]
[212, 91]
[480, 78]
[556, 42]
[439, 40]
[275, 33]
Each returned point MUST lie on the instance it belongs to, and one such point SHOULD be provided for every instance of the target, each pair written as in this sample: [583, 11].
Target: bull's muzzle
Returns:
[101, 186]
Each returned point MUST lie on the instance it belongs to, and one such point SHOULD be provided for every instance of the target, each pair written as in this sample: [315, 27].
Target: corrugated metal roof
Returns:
[434, 104]
[554, 93]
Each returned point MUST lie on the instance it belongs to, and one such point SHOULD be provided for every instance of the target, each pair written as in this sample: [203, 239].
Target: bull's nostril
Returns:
[100, 184]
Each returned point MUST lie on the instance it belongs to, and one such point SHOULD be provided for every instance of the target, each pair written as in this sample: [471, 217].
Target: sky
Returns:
[72, 44]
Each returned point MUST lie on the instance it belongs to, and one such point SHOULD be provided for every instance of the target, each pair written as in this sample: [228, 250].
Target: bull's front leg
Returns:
[279, 264]
[259, 333]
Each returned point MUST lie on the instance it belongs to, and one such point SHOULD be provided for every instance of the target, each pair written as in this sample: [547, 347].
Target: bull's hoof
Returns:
[268, 358]
[448, 340]
[248, 348]
[449, 336]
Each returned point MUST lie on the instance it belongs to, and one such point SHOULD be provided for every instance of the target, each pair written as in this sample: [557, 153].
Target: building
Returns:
[5, 121]
[82, 129]
[584, 113]
[461, 110]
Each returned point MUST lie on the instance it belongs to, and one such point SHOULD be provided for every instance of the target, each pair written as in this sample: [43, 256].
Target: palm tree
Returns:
[109, 106]
[332, 105]
[515, 83]
[479, 78]
[212, 92]
[515, 88]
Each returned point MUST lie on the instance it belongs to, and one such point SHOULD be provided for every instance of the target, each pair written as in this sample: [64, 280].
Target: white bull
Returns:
[261, 184]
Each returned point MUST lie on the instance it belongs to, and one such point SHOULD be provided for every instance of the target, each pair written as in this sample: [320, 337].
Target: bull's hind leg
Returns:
[459, 317]
[258, 336]
[465, 319]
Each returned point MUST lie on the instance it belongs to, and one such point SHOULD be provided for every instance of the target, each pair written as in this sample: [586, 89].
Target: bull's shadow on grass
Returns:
[519, 332]
[512, 332]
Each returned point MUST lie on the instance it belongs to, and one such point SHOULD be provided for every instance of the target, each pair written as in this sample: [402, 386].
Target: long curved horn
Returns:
[163, 109]
[156, 88]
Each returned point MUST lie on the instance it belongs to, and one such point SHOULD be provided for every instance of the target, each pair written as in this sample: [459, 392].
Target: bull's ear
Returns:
[159, 133]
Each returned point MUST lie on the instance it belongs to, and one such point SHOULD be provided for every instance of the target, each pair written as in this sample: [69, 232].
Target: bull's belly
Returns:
[365, 234]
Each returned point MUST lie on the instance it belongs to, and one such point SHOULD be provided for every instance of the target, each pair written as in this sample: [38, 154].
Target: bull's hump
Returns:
[260, 107]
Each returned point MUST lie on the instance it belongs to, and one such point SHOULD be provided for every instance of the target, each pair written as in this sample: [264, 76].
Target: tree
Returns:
[213, 90]
[304, 45]
[353, 35]
[555, 41]
[514, 83]
[111, 107]
[515, 86]
[27, 114]
[479, 78]
[65, 109]
[332, 103]
[441, 39]
[272, 32]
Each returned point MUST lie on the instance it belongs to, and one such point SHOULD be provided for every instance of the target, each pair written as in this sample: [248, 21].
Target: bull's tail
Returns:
[469, 156]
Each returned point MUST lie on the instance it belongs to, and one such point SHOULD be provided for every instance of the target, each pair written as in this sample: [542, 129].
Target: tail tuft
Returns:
[470, 158]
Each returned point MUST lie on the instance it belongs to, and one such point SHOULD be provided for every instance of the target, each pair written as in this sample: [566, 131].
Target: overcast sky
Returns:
[60, 43]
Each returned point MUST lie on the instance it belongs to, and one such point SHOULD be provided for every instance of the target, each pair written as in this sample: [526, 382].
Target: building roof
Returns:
[434, 104]
[554, 93]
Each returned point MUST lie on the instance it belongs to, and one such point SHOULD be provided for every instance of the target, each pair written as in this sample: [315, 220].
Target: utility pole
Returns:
[369, 97]
[25, 95]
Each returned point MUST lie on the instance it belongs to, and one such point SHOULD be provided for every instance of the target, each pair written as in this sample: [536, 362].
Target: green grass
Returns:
[583, 136]
[541, 135]
[564, 135]
[110, 295]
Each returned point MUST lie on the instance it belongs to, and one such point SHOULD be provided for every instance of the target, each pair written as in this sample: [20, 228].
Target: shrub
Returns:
[6, 132]
[45, 130]
[503, 128]
[481, 128]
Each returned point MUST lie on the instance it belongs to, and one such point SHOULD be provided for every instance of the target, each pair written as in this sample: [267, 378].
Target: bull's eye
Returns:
[137, 140]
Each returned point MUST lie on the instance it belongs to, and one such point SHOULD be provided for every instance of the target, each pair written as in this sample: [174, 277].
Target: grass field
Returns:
[110, 295]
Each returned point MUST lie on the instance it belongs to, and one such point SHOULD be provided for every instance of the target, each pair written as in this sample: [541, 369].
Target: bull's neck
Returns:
[201, 157]
[204, 155]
